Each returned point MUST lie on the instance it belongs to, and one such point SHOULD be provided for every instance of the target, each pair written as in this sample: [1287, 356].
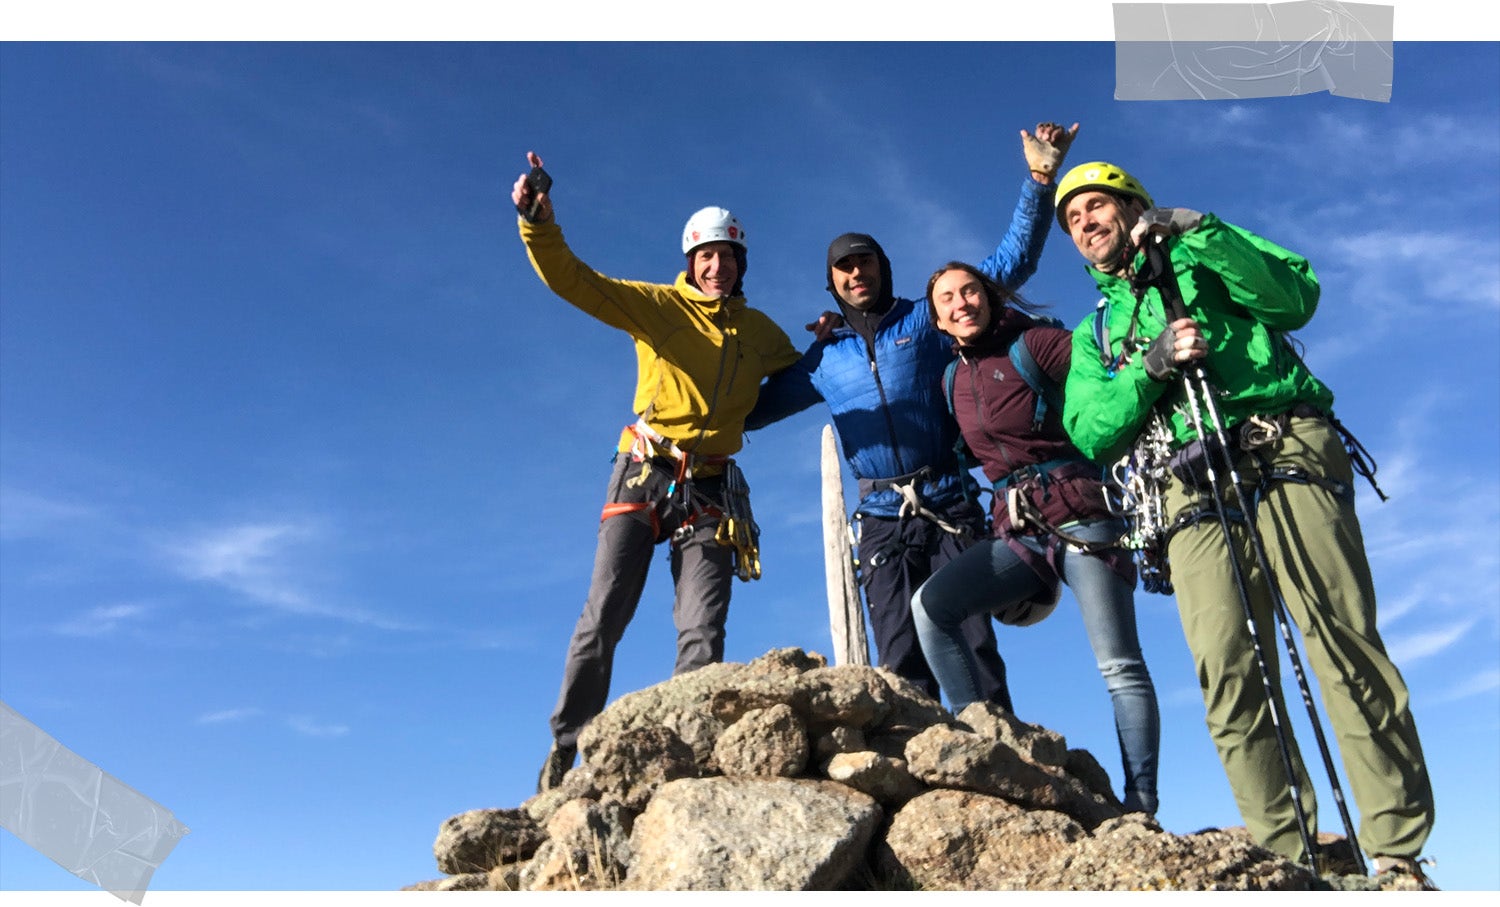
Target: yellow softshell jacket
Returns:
[700, 361]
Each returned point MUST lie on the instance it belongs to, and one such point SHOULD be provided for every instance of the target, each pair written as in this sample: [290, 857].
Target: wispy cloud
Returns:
[1408, 648]
[24, 514]
[258, 562]
[229, 716]
[302, 724]
[1431, 550]
[1182, 697]
[103, 620]
[1448, 266]
[1408, 143]
[1475, 685]
[310, 728]
[1411, 142]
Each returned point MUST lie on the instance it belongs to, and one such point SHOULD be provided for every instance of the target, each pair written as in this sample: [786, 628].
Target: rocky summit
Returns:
[785, 774]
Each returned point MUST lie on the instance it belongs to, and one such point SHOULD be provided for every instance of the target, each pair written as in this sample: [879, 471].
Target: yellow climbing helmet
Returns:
[1097, 175]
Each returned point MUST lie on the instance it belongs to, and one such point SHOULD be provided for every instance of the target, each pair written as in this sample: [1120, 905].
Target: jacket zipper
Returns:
[885, 409]
[713, 402]
[979, 409]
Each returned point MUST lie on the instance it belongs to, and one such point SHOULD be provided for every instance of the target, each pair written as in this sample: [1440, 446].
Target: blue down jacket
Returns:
[887, 401]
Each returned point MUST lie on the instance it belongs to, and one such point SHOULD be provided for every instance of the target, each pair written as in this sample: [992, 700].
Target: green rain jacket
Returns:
[1245, 292]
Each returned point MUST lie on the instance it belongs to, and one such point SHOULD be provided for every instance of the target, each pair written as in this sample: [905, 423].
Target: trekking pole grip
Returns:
[1157, 271]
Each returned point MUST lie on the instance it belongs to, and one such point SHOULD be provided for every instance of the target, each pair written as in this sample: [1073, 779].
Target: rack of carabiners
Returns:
[737, 527]
[1135, 493]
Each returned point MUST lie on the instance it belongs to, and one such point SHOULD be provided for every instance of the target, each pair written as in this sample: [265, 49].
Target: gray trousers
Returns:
[702, 571]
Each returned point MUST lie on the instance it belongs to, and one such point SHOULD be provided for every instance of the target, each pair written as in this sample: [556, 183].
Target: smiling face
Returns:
[856, 279]
[961, 309]
[714, 269]
[1099, 224]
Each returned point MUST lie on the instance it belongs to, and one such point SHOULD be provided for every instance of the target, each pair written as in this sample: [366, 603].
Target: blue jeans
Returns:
[988, 576]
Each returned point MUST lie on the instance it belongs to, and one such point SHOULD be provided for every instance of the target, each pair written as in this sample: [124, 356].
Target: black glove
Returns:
[1159, 359]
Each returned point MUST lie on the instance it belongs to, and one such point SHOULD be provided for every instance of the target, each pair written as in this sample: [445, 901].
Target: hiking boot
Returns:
[1139, 801]
[559, 760]
[1405, 872]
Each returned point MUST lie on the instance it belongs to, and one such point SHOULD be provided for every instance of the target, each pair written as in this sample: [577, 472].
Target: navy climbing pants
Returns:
[896, 556]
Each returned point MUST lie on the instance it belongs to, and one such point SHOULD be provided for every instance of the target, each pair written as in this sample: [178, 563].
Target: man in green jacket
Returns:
[1242, 294]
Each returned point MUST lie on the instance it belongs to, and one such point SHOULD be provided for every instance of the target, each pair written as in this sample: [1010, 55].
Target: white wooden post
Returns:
[846, 616]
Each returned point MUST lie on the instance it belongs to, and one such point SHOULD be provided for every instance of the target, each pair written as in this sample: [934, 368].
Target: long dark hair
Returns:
[996, 295]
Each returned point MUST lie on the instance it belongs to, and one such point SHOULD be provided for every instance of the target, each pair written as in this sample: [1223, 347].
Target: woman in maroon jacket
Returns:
[1050, 519]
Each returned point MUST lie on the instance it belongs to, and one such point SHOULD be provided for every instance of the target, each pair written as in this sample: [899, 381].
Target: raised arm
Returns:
[1016, 258]
[632, 306]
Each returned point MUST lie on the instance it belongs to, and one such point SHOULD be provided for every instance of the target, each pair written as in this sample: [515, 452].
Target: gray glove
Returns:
[1045, 157]
[1159, 360]
[1177, 221]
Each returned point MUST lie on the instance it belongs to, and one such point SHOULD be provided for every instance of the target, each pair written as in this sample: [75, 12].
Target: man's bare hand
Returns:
[824, 327]
[1045, 150]
[524, 197]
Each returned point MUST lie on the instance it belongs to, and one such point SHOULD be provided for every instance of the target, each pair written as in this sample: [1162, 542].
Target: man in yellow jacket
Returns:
[701, 353]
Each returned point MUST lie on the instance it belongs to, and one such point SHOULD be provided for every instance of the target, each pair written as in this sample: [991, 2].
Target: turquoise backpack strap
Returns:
[950, 375]
[1101, 338]
[1048, 392]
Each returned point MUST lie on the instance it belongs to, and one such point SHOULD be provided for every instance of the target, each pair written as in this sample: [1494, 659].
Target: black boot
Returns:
[559, 760]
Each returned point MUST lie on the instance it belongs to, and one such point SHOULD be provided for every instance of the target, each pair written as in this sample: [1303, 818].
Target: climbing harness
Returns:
[1020, 488]
[911, 499]
[737, 528]
[912, 505]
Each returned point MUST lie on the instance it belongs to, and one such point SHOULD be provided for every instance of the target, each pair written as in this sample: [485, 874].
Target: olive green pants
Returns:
[1316, 553]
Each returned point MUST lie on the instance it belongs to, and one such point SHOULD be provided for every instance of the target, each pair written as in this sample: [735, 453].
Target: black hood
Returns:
[862, 320]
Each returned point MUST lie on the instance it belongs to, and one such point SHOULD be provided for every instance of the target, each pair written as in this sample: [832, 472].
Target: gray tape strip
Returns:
[1212, 51]
[79, 816]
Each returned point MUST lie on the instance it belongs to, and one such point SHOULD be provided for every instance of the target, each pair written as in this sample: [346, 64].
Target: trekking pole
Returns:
[1157, 272]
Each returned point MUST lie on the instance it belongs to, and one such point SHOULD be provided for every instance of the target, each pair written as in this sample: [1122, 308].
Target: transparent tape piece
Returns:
[1224, 51]
[79, 816]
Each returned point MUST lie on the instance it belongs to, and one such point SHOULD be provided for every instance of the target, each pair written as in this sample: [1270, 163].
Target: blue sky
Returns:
[300, 464]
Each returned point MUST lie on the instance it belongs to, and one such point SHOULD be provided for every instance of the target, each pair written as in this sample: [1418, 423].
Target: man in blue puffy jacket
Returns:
[881, 375]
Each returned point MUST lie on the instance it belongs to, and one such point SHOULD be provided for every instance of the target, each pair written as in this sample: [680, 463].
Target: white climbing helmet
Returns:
[712, 225]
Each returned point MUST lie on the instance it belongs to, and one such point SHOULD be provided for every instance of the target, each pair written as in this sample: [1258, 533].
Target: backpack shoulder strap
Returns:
[950, 375]
[1101, 336]
[1048, 392]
